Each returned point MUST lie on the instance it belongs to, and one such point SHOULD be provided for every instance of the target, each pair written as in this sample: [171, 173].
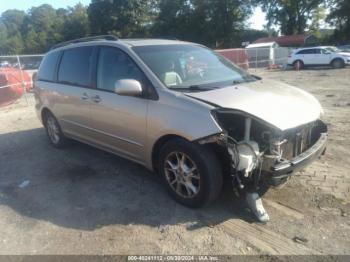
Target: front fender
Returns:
[180, 116]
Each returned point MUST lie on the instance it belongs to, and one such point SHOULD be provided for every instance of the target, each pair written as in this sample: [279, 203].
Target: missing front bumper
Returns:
[282, 171]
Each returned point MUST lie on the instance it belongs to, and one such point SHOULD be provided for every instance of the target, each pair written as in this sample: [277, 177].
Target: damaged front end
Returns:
[261, 155]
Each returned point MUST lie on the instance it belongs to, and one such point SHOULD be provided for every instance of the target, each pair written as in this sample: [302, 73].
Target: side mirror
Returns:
[128, 87]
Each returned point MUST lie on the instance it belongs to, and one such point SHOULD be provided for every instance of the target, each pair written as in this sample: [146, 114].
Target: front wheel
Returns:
[191, 173]
[338, 63]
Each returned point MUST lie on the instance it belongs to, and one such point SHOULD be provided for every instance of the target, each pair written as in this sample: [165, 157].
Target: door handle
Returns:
[85, 96]
[96, 99]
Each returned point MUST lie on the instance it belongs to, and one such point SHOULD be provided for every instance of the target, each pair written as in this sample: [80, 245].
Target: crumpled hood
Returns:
[279, 104]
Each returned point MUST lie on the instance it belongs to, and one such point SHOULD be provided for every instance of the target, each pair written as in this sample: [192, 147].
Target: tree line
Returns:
[215, 23]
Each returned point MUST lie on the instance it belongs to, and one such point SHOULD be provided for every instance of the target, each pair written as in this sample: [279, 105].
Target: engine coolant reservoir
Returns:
[248, 156]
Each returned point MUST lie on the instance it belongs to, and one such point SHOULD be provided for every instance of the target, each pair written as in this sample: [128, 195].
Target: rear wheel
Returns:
[191, 173]
[338, 63]
[298, 65]
[54, 132]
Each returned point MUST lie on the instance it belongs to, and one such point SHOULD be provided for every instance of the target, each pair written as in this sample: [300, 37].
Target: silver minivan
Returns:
[182, 110]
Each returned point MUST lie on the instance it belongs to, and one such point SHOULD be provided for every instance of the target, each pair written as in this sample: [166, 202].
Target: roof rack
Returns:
[86, 39]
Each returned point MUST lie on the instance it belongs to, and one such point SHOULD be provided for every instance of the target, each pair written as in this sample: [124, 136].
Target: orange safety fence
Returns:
[11, 87]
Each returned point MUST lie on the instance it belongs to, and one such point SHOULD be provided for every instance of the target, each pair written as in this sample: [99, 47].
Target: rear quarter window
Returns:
[48, 67]
[75, 66]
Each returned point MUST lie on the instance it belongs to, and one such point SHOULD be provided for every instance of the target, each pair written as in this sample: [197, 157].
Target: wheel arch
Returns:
[158, 145]
[337, 58]
[298, 60]
[218, 150]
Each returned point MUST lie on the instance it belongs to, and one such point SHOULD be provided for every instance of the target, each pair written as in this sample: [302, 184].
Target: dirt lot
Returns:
[85, 201]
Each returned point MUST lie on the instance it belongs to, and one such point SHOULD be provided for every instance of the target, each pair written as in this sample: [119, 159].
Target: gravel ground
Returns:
[84, 201]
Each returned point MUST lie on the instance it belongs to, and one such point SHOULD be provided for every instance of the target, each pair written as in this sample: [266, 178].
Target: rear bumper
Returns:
[281, 171]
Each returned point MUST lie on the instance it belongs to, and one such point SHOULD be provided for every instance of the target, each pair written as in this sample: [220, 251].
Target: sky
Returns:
[26, 4]
[257, 21]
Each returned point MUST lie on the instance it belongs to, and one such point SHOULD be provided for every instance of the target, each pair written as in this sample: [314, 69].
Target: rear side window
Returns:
[48, 67]
[306, 52]
[75, 67]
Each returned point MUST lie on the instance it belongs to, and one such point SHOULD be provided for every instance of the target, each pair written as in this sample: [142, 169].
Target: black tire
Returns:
[338, 63]
[61, 141]
[298, 65]
[208, 168]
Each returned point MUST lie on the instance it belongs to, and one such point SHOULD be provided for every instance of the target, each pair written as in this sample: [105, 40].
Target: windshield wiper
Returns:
[236, 82]
[197, 87]
[193, 88]
[246, 79]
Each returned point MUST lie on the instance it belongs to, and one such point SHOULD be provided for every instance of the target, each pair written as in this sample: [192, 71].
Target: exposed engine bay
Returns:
[260, 155]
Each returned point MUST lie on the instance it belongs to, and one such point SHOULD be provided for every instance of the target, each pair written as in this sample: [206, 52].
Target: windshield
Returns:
[333, 49]
[191, 67]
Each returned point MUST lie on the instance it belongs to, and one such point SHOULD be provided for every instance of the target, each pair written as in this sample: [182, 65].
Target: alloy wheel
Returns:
[182, 174]
[53, 130]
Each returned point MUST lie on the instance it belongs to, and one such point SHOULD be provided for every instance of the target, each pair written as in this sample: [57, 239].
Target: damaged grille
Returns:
[301, 139]
[275, 144]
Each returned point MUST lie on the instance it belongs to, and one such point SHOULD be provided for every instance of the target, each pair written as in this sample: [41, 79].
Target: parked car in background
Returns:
[5, 64]
[318, 56]
[182, 110]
